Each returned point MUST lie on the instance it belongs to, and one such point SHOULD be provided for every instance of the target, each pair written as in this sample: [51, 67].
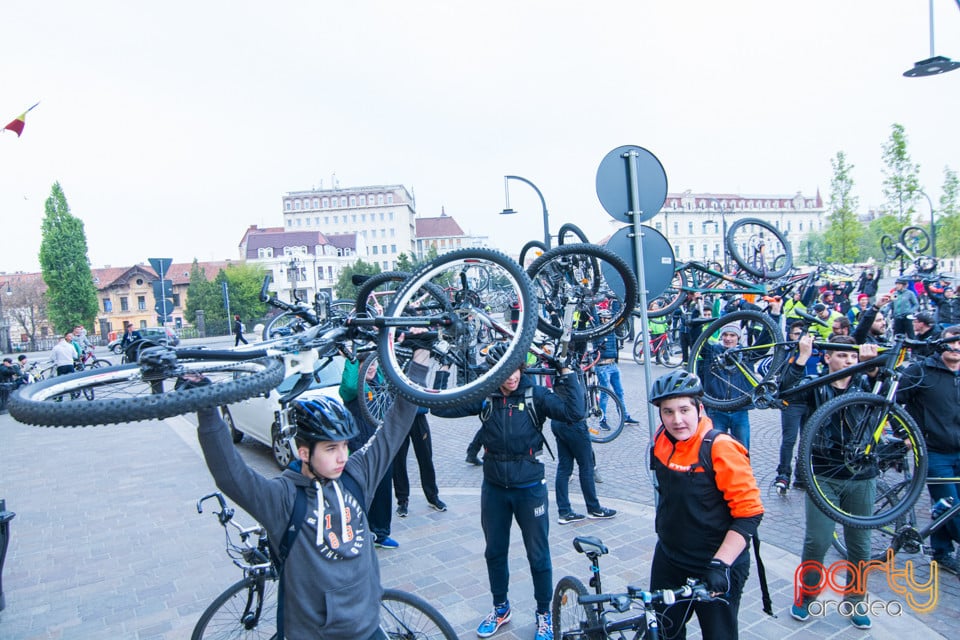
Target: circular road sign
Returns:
[613, 183]
[658, 260]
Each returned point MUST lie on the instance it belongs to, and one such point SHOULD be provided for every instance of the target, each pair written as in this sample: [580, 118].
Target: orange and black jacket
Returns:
[698, 505]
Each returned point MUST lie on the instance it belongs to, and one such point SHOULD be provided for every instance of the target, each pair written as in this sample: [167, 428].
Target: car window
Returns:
[331, 374]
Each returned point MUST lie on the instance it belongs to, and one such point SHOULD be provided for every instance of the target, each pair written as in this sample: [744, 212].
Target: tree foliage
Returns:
[901, 184]
[844, 229]
[71, 295]
[948, 215]
[243, 283]
[404, 263]
[345, 289]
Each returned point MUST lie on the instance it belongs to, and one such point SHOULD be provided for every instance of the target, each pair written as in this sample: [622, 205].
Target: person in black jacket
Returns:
[869, 281]
[948, 308]
[514, 486]
[931, 392]
[238, 331]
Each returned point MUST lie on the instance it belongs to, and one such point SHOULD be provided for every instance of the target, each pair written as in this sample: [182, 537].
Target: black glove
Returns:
[717, 577]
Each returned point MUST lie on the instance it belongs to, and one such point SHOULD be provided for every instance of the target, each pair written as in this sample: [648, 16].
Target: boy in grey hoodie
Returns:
[331, 575]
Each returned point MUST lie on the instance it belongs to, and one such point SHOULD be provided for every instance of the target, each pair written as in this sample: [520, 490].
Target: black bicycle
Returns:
[581, 615]
[248, 608]
[163, 382]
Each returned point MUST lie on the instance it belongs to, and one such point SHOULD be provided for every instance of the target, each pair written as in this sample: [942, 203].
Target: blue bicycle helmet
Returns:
[323, 419]
[674, 385]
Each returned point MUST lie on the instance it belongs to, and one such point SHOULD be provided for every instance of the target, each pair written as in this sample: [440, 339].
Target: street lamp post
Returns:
[508, 211]
[933, 226]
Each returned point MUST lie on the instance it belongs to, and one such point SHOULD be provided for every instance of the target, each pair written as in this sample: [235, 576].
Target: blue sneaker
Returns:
[497, 618]
[544, 627]
[386, 542]
[800, 612]
[860, 622]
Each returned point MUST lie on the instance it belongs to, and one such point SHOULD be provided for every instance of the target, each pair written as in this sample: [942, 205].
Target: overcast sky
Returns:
[173, 126]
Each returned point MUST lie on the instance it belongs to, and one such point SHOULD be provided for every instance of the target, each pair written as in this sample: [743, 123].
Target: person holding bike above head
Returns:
[724, 383]
[855, 490]
[514, 486]
[331, 578]
[708, 508]
[930, 390]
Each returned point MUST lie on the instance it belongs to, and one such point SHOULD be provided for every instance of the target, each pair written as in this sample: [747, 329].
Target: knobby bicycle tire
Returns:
[405, 616]
[916, 239]
[581, 270]
[224, 618]
[670, 354]
[757, 358]
[886, 537]
[889, 248]
[374, 395]
[834, 446]
[768, 269]
[572, 620]
[614, 416]
[536, 246]
[572, 229]
[668, 301]
[124, 394]
[455, 376]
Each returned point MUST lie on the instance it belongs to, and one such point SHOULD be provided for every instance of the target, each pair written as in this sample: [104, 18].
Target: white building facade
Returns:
[383, 216]
[694, 222]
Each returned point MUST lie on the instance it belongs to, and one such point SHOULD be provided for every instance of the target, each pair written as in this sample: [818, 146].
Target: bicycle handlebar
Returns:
[692, 590]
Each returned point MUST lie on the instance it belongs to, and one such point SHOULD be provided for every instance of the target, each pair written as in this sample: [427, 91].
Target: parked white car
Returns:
[259, 417]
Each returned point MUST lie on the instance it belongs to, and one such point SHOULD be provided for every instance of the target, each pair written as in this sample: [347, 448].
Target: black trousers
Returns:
[718, 619]
[423, 450]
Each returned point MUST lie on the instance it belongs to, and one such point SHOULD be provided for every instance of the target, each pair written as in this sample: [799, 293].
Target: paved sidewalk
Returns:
[107, 542]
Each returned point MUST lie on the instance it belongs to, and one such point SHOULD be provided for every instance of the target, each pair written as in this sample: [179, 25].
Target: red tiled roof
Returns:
[439, 227]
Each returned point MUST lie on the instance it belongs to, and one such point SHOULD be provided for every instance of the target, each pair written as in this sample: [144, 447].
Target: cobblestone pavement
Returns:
[107, 542]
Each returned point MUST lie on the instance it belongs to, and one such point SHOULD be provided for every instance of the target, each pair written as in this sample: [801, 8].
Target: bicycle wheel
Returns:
[670, 354]
[889, 248]
[840, 442]
[577, 273]
[535, 248]
[284, 324]
[374, 394]
[573, 230]
[758, 247]
[731, 376]
[899, 535]
[604, 426]
[247, 611]
[915, 238]
[405, 616]
[455, 375]
[668, 301]
[638, 350]
[572, 620]
[129, 393]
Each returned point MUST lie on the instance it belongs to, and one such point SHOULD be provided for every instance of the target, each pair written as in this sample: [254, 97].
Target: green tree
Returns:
[201, 294]
[844, 230]
[901, 184]
[345, 289]
[814, 248]
[71, 295]
[244, 282]
[948, 215]
[404, 263]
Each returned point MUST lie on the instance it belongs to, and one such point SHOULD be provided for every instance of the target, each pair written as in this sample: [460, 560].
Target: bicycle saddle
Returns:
[590, 545]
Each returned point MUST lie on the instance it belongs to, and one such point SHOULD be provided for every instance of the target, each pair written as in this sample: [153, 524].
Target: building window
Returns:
[691, 250]
[308, 222]
[289, 222]
[393, 232]
[326, 219]
[296, 205]
[659, 226]
[330, 273]
[265, 252]
[299, 222]
[353, 201]
[801, 225]
[393, 248]
[336, 219]
[343, 201]
[380, 198]
[375, 247]
[107, 305]
[143, 324]
[704, 250]
[363, 217]
[383, 249]
[176, 300]
[390, 214]
[690, 228]
[676, 227]
[141, 303]
[353, 218]
[316, 203]
[389, 198]
[124, 304]
[676, 250]
[326, 203]
[386, 265]
[316, 220]
[363, 200]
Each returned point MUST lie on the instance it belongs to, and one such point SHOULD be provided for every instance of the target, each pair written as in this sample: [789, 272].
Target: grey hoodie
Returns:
[325, 599]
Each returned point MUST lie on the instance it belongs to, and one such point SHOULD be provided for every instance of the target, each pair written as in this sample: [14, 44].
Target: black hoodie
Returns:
[931, 393]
